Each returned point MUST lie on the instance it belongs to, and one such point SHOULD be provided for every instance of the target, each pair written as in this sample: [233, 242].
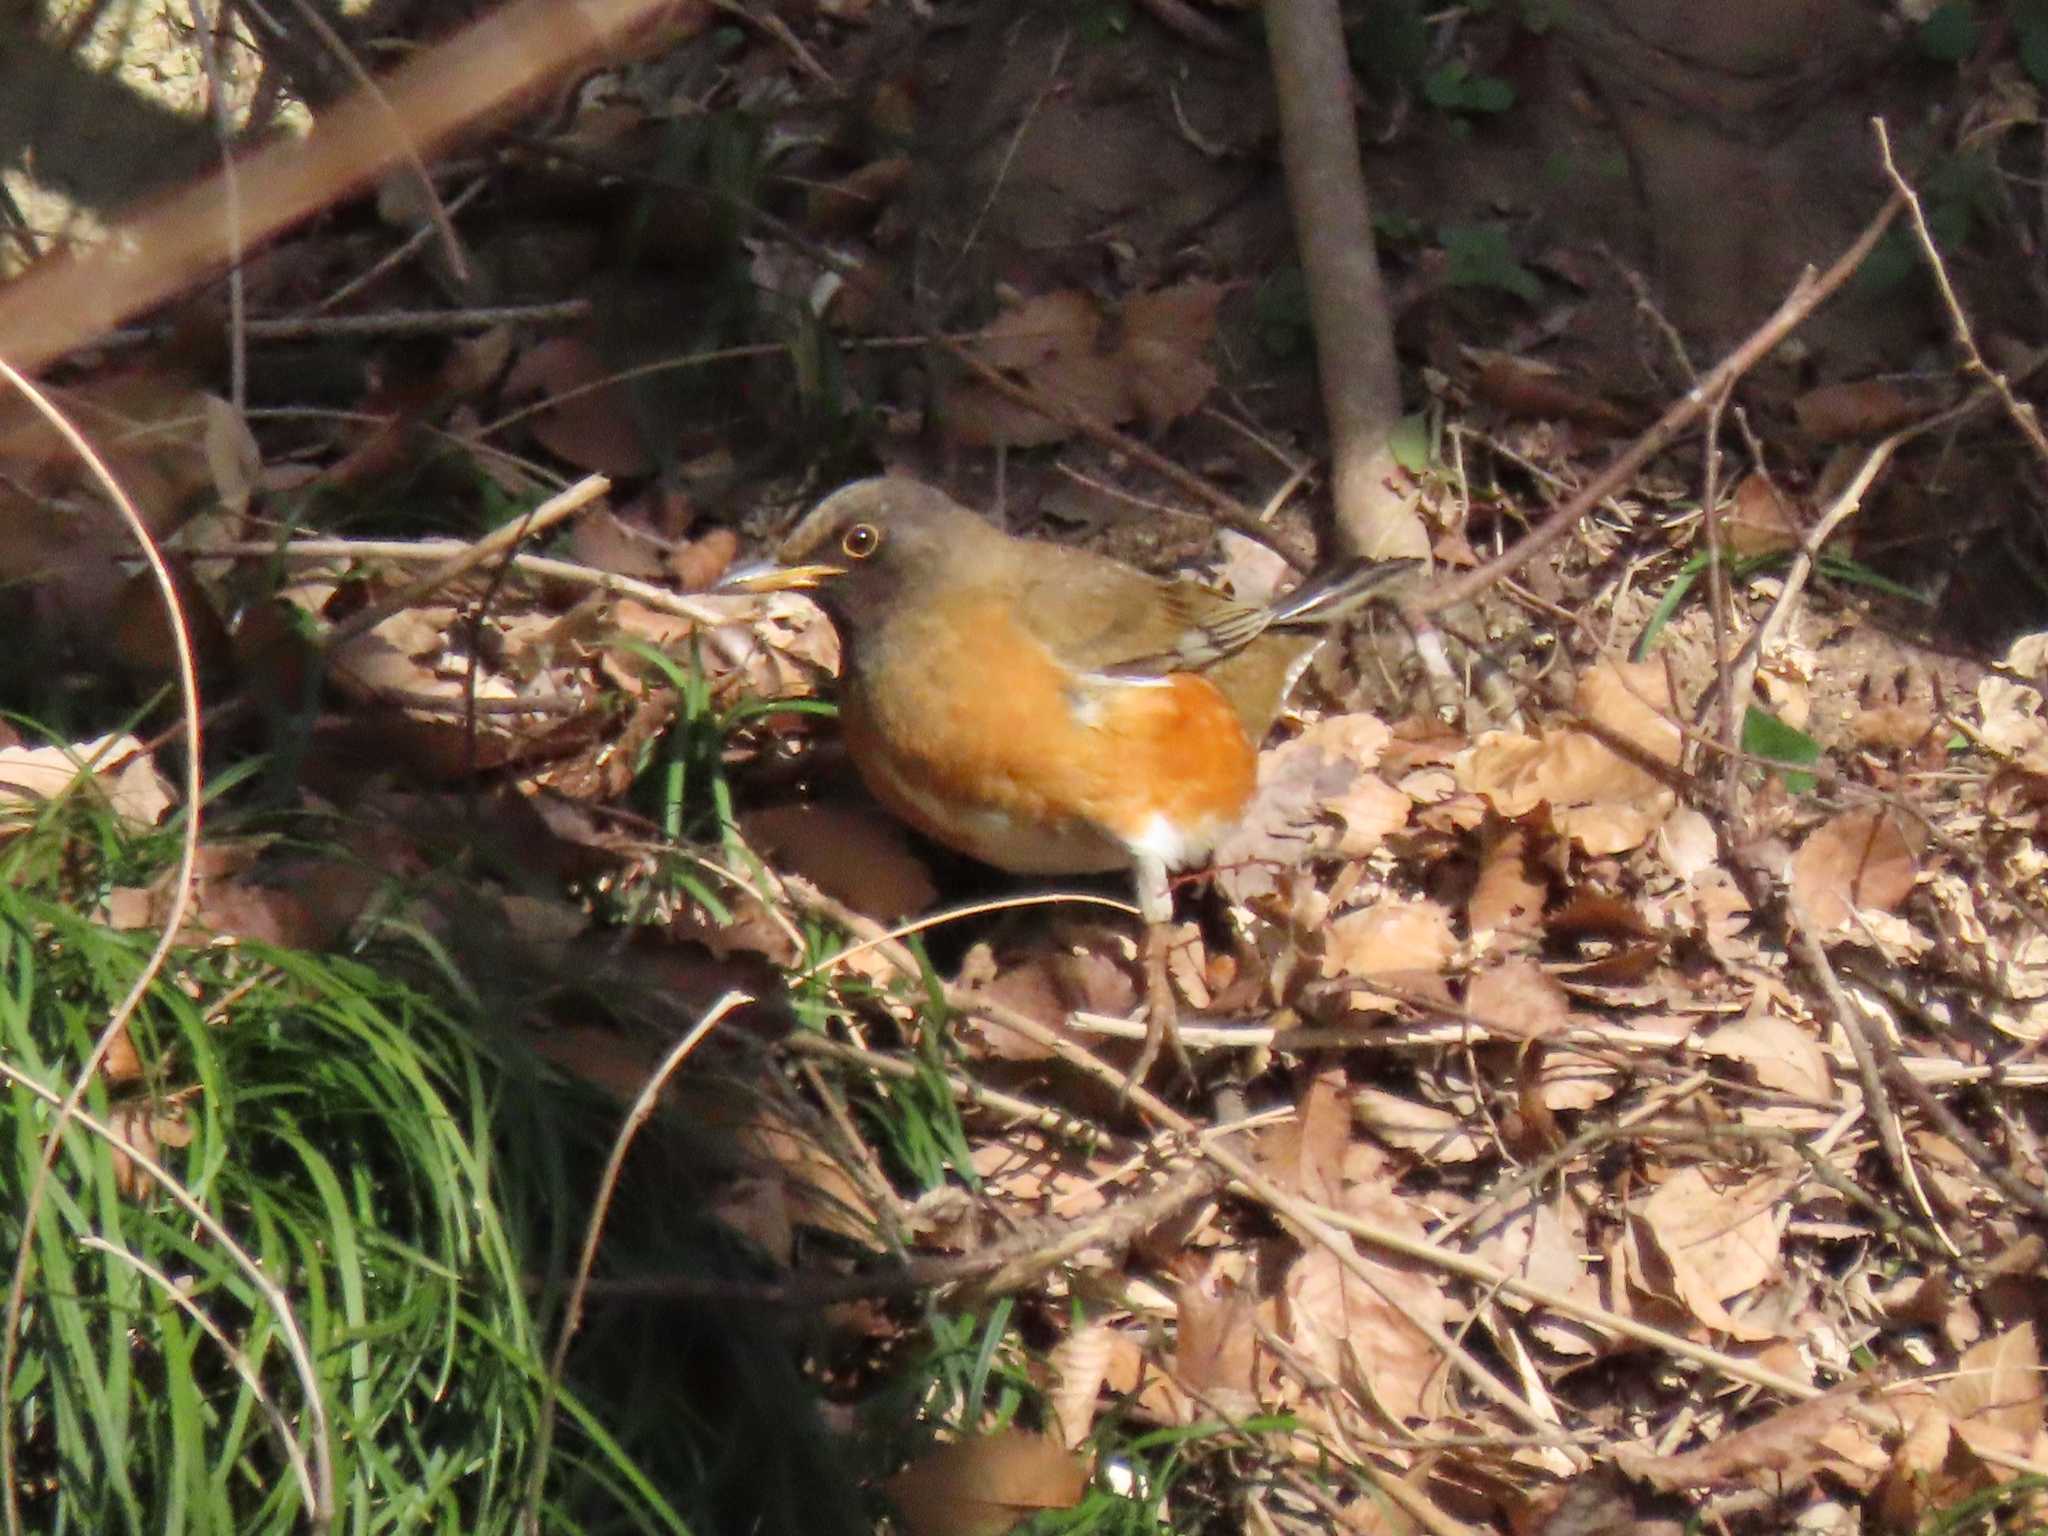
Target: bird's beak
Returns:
[767, 576]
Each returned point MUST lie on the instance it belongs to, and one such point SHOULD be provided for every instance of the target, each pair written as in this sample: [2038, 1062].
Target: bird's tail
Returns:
[1343, 589]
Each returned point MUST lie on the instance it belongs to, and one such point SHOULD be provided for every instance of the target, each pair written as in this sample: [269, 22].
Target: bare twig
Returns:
[1876, 1102]
[396, 127]
[1297, 1212]
[1044, 1117]
[223, 129]
[992, 1269]
[1190, 25]
[2021, 413]
[181, 896]
[499, 540]
[399, 254]
[322, 1509]
[1737, 679]
[1805, 297]
[177, 242]
[1226, 508]
[601, 1205]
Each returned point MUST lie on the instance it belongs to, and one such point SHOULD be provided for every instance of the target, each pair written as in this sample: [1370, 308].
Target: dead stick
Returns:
[1805, 297]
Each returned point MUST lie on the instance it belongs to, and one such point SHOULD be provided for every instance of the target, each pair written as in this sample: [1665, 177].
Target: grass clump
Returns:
[412, 1188]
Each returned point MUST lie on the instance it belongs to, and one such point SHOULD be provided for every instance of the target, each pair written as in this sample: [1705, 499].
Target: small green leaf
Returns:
[1480, 256]
[1398, 227]
[1409, 443]
[1667, 605]
[1854, 573]
[1949, 36]
[1454, 88]
[2030, 25]
[1890, 263]
[1765, 735]
[1280, 314]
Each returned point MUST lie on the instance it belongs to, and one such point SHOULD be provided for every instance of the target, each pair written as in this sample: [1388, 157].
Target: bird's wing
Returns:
[1110, 621]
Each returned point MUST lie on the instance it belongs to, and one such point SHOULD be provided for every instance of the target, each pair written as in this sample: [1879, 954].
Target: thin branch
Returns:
[2022, 414]
[181, 897]
[601, 1204]
[499, 540]
[1806, 296]
[1305, 1218]
[245, 1368]
[323, 1511]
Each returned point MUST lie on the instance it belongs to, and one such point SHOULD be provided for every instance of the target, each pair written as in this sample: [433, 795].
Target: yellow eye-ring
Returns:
[861, 540]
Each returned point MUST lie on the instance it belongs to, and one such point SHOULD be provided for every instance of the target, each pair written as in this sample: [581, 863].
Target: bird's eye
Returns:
[861, 540]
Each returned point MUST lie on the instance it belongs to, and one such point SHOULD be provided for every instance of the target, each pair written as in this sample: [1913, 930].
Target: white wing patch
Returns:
[1085, 694]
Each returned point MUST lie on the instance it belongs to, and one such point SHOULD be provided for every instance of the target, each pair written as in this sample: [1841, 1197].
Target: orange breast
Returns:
[962, 724]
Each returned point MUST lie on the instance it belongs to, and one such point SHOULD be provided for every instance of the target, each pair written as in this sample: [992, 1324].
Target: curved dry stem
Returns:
[401, 133]
[607, 1185]
[1805, 297]
[174, 918]
[295, 1344]
[244, 1367]
[882, 938]
[470, 556]
[1240, 1171]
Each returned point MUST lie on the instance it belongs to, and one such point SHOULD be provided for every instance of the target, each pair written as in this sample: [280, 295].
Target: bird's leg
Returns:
[1162, 1016]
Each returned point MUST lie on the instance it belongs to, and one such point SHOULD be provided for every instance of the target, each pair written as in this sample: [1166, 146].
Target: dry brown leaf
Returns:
[1995, 1396]
[1305, 1155]
[1164, 333]
[1854, 408]
[818, 1191]
[1924, 1473]
[1510, 892]
[1892, 727]
[1518, 1000]
[1247, 570]
[1357, 1335]
[856, 199]
[1146, 365]
[153, 433]
[1861, 859]
[593, 425]
[599, 538]
[862, 859]
[144, 1128]
[1687, 844]
[983, 1486]
[697, 563]
[1762, 520]
[1216, 1353]
[1568, 1079]
[1436, 1135]
[114, 767]
[1050, 983]
[1786, 1445]
[1605, 802]
[1387, 939]
[1079, 1364]
[2011, 716]
[1590, 913]
[1717, 1239]
[1778, 1053]
[1323, 772]
[1525, 386]
[1543, 1241]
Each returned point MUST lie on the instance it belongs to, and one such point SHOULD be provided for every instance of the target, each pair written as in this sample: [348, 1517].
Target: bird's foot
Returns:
[1162, 1014]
